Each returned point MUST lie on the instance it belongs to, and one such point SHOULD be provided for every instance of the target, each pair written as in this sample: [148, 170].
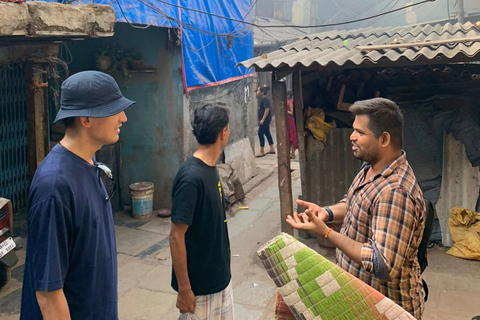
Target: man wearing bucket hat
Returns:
[71, 264]
[199, 240]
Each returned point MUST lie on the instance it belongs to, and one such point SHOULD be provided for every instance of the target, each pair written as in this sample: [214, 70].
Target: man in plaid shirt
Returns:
[384, 211]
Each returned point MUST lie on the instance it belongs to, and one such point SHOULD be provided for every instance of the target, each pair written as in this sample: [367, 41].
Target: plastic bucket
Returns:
[142, 199]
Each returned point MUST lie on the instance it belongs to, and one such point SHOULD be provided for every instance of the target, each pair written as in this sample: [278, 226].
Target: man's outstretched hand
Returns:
[313, 208]
[308, 221]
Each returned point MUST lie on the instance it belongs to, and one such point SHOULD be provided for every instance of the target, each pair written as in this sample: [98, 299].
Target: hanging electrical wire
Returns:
[174, 22]
[295, 26]
[249, 30]
[367, 8]
[356, 14]
[125, 17]
[376, 20]
[185, 25]
[193, 27]
[431, 11]
[246, 15]
[448, 10]
[177, 21]
[418, 8]
[196, 49]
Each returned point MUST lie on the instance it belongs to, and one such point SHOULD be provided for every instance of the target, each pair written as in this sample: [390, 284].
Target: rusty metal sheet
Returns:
[330, 168]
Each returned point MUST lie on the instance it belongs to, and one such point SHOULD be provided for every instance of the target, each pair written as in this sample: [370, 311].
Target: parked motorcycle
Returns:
[8, 257]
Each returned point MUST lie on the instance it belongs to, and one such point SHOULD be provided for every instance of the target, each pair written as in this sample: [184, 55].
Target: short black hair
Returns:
[208, 122]
[263, 89]
[384, 116]
[68, 122]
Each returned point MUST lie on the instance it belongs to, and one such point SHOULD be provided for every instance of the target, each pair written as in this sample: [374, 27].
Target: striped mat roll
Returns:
[314, 288]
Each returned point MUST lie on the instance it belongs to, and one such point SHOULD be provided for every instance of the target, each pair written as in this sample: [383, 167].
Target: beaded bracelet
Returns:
[326, 234]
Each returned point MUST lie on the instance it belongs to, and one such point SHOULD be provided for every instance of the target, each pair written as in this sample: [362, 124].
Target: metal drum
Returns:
[142, 199]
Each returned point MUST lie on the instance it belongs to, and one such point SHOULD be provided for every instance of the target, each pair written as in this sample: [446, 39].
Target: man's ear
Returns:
[386, 139]
[85, 121]
[224, 133]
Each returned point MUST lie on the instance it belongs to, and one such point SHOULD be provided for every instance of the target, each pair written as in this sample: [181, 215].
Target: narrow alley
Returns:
[144, 263]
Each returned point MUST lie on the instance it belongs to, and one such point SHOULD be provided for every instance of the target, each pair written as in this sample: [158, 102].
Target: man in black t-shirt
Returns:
[199, 241]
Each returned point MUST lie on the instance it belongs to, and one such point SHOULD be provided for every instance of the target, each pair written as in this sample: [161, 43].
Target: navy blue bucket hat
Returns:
[91, 94]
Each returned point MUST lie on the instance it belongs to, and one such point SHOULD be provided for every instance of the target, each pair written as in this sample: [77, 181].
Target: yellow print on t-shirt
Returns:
[220, 190]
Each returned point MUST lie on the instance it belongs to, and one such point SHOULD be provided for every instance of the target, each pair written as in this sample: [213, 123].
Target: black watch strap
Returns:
[330, 213]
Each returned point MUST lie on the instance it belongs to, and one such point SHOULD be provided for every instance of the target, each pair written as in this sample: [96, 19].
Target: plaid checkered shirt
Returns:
[387, 214]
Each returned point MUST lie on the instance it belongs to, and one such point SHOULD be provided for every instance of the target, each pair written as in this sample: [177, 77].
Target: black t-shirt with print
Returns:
[198, 200]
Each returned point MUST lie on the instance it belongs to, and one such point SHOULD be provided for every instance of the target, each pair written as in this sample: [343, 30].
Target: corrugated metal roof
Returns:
[339, 48]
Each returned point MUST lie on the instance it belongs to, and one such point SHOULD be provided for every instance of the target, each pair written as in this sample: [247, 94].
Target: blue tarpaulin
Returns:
[210, 58]
[211, 46]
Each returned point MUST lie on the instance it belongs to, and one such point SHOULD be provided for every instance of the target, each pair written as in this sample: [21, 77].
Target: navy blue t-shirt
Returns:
[198, 200]
[70, 239]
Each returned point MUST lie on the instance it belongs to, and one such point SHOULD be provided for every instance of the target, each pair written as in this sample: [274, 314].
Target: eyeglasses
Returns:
[108, 173]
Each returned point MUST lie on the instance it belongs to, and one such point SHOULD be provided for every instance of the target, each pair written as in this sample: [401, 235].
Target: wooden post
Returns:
[37, 114]
[329, 83]
[279, 93]
[300, 126]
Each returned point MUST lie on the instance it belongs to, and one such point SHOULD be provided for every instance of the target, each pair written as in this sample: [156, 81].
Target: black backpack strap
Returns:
[425, 288]
[422, 249]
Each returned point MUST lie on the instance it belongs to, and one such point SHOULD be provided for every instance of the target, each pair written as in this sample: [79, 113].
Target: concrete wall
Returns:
[239, 96]
[152, 139]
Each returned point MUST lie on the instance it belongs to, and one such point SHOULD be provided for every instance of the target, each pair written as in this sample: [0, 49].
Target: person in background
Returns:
[292, 131]
[264, 119]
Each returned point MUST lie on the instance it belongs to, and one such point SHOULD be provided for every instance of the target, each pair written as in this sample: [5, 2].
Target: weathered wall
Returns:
[239, 96]
[152, 139]
[460, 184]
[55, 19]
[39, 52]
[157, 137]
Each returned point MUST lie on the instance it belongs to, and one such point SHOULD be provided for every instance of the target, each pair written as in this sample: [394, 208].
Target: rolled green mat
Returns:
[314, 288]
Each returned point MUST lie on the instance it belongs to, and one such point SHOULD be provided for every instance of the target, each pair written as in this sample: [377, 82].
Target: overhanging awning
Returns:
[370, 47]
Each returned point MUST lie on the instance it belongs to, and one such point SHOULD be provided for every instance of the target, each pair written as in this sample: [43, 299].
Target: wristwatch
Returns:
[330, 213]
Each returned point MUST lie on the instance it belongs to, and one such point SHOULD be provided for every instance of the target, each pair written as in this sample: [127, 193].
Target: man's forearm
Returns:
[351, 248]
[53, 305]
[179, 260]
